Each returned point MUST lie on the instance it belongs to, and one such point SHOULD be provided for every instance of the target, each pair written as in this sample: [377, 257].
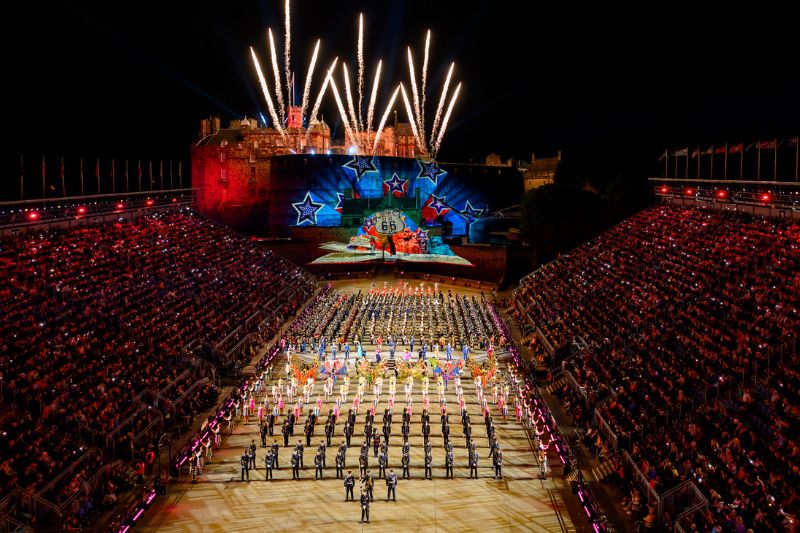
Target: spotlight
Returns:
[33, 215]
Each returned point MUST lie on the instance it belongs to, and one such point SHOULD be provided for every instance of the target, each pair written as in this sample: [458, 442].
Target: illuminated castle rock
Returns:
[232, 167]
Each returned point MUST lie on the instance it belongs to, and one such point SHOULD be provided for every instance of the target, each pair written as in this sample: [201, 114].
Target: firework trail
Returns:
[410, 114]
[342, 112]
[415, 93]
[265, 90]
[360, 69]
[382, 123]
[442, 99]
[276, 71]
[309, 75]
[349, 95]
[425, 78]
[446, 119]
[373, 97]
[318, 102]
[287, 54]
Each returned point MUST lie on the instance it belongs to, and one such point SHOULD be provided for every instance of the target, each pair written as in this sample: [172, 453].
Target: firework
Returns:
[425, 77]
[287, 54]
[442, 99]
[385, 116]
[410, 114]
[415, 93]
[318, 101]
[360, 68]
[276, 71]
[307, 87]
[265, 90]
[342, 112]
[349, 96]
[373, 96]
[446, 119]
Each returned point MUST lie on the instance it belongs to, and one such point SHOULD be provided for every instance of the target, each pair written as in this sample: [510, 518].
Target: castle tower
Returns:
[295, 117]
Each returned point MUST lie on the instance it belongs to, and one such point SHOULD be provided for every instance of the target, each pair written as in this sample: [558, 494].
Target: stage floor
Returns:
[518, 502]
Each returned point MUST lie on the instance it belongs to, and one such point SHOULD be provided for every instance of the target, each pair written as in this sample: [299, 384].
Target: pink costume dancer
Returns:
[356, 403]
[336, 409]
[372, 411]
[503, 408]
[261, 412]
[318, 407]
[425, 402]
[518, 411]
[390, 402]
[281, 405]
[297, 409]
[461, 405]
[444, 409]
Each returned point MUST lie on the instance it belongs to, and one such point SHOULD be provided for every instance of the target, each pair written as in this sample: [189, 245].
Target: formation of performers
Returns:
[404, 316]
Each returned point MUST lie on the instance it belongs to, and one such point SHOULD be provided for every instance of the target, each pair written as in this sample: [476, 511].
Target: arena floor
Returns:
[521, 501]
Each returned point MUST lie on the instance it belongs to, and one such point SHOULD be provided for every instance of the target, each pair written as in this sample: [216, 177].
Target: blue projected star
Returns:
[430, 171]
[368, 224]
[395, 185]
[307, 210]
[361, 164]
[470, 213]
[340, 202]
[438, 204]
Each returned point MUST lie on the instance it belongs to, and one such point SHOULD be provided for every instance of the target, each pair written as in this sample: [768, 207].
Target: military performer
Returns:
[473, 463]
[364, 507]
[295, 465]
[263, 432]
[391, 486]
[349, 483]
[244, 460]
[468, 433]
[376, 441]
[382, 462]
[308, 431]
[252, 455]
[268, 464]
[329, 425]
[363, 463]
[318, 465]
[498, 464]
[428, 464]
[285, 433]
[448, 463]
[339, 464]
[406, 430]
[369, 484]
[426, 431]
[299, 448]
[406, 461]
[446, 433]
[322, 449]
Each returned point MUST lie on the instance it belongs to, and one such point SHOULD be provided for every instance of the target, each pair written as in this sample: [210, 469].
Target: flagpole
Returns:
[699, 157]
[180, 174]
[22, 177]
[796, 156]
[161, 174]
[758, 172]
[741, 163]
[127, 182]
[687, 162]
[676, 164]
[97, 174]
[63, 184]
[81, 175]
[113, 177]
[711, 177]
[140, 175]
[44, 171]
[775, 161]
[725, 172]
[666, 163]
[170, 174]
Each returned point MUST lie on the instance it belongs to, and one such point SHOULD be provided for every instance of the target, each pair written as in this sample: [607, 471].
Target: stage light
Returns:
[722, 193]
[689, 192]
[351, 150]
[81, 210]
[33, 215]
[120, 205]
[664, 190]
[313, 152]
[174, 200]
[764, 197]
[149, 202]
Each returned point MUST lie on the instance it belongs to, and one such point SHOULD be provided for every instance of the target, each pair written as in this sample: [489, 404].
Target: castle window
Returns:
[255, 145]
[252, 158]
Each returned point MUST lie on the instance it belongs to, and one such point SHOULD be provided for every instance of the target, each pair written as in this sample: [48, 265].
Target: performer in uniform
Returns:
[349, 483]
[391, 486]
[364, 507]
[295, 466]
[245, 463]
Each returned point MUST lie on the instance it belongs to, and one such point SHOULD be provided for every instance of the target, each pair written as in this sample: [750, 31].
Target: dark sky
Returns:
[611, 86]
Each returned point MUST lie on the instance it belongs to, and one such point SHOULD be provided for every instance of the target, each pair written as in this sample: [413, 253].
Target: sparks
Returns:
[415, 94]
[373, 96]
[410, 114]
[349, 95]
[446, 119]
[276, 71]
[382, 123]
[318, 102]
[309, 75]
[267, 97]
[342, 112]
[287, 53]
[442, 100]
[360, 69]
[425, 78]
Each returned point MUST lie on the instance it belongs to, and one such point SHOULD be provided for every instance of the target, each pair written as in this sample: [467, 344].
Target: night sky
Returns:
[609, 86]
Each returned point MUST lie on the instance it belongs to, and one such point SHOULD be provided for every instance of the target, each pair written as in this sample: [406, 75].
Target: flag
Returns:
[695, 153]
[791, 142]
[736, 149]
[721, 150]
[766, 145]
[708, 151]
[665, 154]
[681, 153]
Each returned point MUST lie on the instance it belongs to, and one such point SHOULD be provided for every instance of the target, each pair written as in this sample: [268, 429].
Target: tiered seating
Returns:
[95, 316]
[682, 307]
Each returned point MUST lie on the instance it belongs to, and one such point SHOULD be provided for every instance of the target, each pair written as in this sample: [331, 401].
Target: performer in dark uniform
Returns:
[245, 463]
[391, 486]
[364, 507]
[349, 483]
